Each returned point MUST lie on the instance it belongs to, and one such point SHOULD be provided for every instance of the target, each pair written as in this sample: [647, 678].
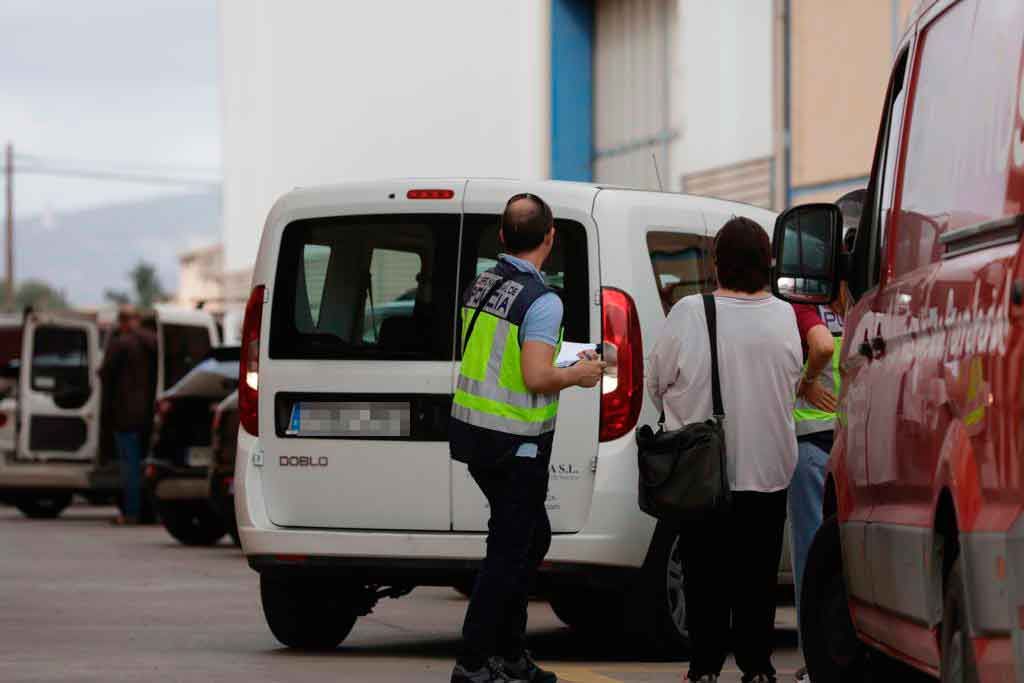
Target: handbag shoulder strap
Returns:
[716, 388]
[476, 313]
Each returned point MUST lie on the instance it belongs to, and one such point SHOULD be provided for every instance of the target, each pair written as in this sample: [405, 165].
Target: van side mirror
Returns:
[806, 252]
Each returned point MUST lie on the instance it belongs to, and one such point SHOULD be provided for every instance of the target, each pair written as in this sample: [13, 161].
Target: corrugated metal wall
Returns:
[747, 181]
[632, 112]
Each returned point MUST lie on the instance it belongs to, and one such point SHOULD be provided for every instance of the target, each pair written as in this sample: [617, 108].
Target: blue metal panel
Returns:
[572, 89]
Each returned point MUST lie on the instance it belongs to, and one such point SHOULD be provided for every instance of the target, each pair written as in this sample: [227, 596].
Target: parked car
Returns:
[221, 485]
[921, 554]
[345, 492]
[181, 456]
[64, 445]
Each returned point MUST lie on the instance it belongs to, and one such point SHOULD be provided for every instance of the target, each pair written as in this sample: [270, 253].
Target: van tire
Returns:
[580, 609]
[307, 614]
[832, 651]
[654, 612]
[43, 506]
[192, 523]
[958, 662]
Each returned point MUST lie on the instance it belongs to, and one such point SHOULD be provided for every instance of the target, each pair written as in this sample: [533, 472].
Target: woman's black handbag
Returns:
[683, 472]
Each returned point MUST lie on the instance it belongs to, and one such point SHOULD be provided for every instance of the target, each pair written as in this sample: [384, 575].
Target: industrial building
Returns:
[767, 101]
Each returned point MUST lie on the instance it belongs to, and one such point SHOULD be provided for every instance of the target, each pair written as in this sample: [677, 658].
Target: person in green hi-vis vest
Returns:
[503, 426]
[821, 331]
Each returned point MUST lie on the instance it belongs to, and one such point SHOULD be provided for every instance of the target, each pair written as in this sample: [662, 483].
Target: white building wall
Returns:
[722, 84]
[317, 91]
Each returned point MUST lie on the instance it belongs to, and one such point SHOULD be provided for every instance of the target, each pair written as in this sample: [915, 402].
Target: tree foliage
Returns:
[40, 296]
[146, 288]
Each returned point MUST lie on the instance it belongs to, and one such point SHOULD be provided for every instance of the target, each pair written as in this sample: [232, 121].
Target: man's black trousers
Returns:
[518, 538]
[730, 576]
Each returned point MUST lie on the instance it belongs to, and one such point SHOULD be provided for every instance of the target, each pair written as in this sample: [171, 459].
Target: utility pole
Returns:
[9, 246]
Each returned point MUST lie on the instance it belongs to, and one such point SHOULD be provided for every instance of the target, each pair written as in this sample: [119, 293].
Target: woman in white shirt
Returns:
[730, 560]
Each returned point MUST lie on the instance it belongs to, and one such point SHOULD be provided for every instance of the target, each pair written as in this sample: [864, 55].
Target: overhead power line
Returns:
[119, 176]
[145, 174]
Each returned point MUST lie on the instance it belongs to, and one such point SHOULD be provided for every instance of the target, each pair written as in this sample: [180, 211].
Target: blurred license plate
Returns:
[200, 456]
[349, 419]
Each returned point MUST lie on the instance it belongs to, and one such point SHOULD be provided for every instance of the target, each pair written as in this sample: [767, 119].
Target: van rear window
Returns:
[366, 287]
[565, 271]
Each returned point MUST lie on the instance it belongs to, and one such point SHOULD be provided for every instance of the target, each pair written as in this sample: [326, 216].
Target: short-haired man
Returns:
[129, 375]
[503, 425]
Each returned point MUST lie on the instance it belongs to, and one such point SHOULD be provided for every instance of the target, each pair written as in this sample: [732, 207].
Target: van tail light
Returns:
[3, 419]
[622, 389]
[249, 370]
[430, 194]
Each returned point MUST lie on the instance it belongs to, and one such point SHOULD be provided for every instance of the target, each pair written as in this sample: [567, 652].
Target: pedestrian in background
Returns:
[503, 425]
[821, 333]
[731, 559]
[129, 377]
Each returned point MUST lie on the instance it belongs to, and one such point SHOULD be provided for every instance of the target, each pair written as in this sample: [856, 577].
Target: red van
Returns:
[921, 555]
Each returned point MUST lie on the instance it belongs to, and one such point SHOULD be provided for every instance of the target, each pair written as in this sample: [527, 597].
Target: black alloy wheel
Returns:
[655, 605]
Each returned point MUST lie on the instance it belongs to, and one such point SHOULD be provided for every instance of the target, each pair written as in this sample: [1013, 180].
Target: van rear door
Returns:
[574, 270]
[59, 393]
[357, 389]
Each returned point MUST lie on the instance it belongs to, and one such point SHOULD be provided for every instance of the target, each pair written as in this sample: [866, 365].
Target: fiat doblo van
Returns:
[344, 488]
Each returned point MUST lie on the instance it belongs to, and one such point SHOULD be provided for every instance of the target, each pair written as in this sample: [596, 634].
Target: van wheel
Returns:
[832, 650]
[580, 609]
[958, 663]
[655, 607]
[46, 506]
[191, 522]
[308, 614]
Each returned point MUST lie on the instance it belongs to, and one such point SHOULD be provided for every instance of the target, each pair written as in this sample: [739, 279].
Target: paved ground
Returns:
[83, 601]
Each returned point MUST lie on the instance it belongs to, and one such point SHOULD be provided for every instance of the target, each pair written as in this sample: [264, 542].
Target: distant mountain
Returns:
[87, 252]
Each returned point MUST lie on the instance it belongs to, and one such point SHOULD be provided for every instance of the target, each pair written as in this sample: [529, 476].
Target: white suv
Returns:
[345, 491]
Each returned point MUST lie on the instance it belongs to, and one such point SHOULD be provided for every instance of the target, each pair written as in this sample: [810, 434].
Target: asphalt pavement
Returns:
[81, 600]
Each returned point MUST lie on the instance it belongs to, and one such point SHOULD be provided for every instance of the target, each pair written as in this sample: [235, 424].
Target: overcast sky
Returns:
[108, 84]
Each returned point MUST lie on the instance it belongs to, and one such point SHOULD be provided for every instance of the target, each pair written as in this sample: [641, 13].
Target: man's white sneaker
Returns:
[801, 675]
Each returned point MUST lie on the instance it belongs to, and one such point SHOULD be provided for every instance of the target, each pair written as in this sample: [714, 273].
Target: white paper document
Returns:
[570, 353]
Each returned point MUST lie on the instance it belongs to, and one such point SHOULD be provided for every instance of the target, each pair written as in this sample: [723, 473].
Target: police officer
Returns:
[821, 331]
[503, 425]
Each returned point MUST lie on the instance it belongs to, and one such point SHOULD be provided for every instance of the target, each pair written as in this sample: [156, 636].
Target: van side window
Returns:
[682, 265]
[566, 270]
[60, 359]
[379, 287]
[957, 148]
[880, 190]
[184, 347]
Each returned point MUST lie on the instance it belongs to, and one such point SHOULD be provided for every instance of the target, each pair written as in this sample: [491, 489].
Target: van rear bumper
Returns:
[430, 572]
[616, 534]
[51, 476]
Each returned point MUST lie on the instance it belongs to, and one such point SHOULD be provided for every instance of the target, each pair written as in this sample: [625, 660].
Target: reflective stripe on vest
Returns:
[490, 391]
[810, 420]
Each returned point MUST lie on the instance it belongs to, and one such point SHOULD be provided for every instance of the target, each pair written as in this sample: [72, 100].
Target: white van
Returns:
[351, 326]
[61, 445]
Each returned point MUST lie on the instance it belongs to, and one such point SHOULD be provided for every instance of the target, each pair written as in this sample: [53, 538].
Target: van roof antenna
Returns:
[657, 174]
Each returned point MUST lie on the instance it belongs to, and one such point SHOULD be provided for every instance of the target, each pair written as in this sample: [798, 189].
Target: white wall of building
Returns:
[322, 91]
[722, 84]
